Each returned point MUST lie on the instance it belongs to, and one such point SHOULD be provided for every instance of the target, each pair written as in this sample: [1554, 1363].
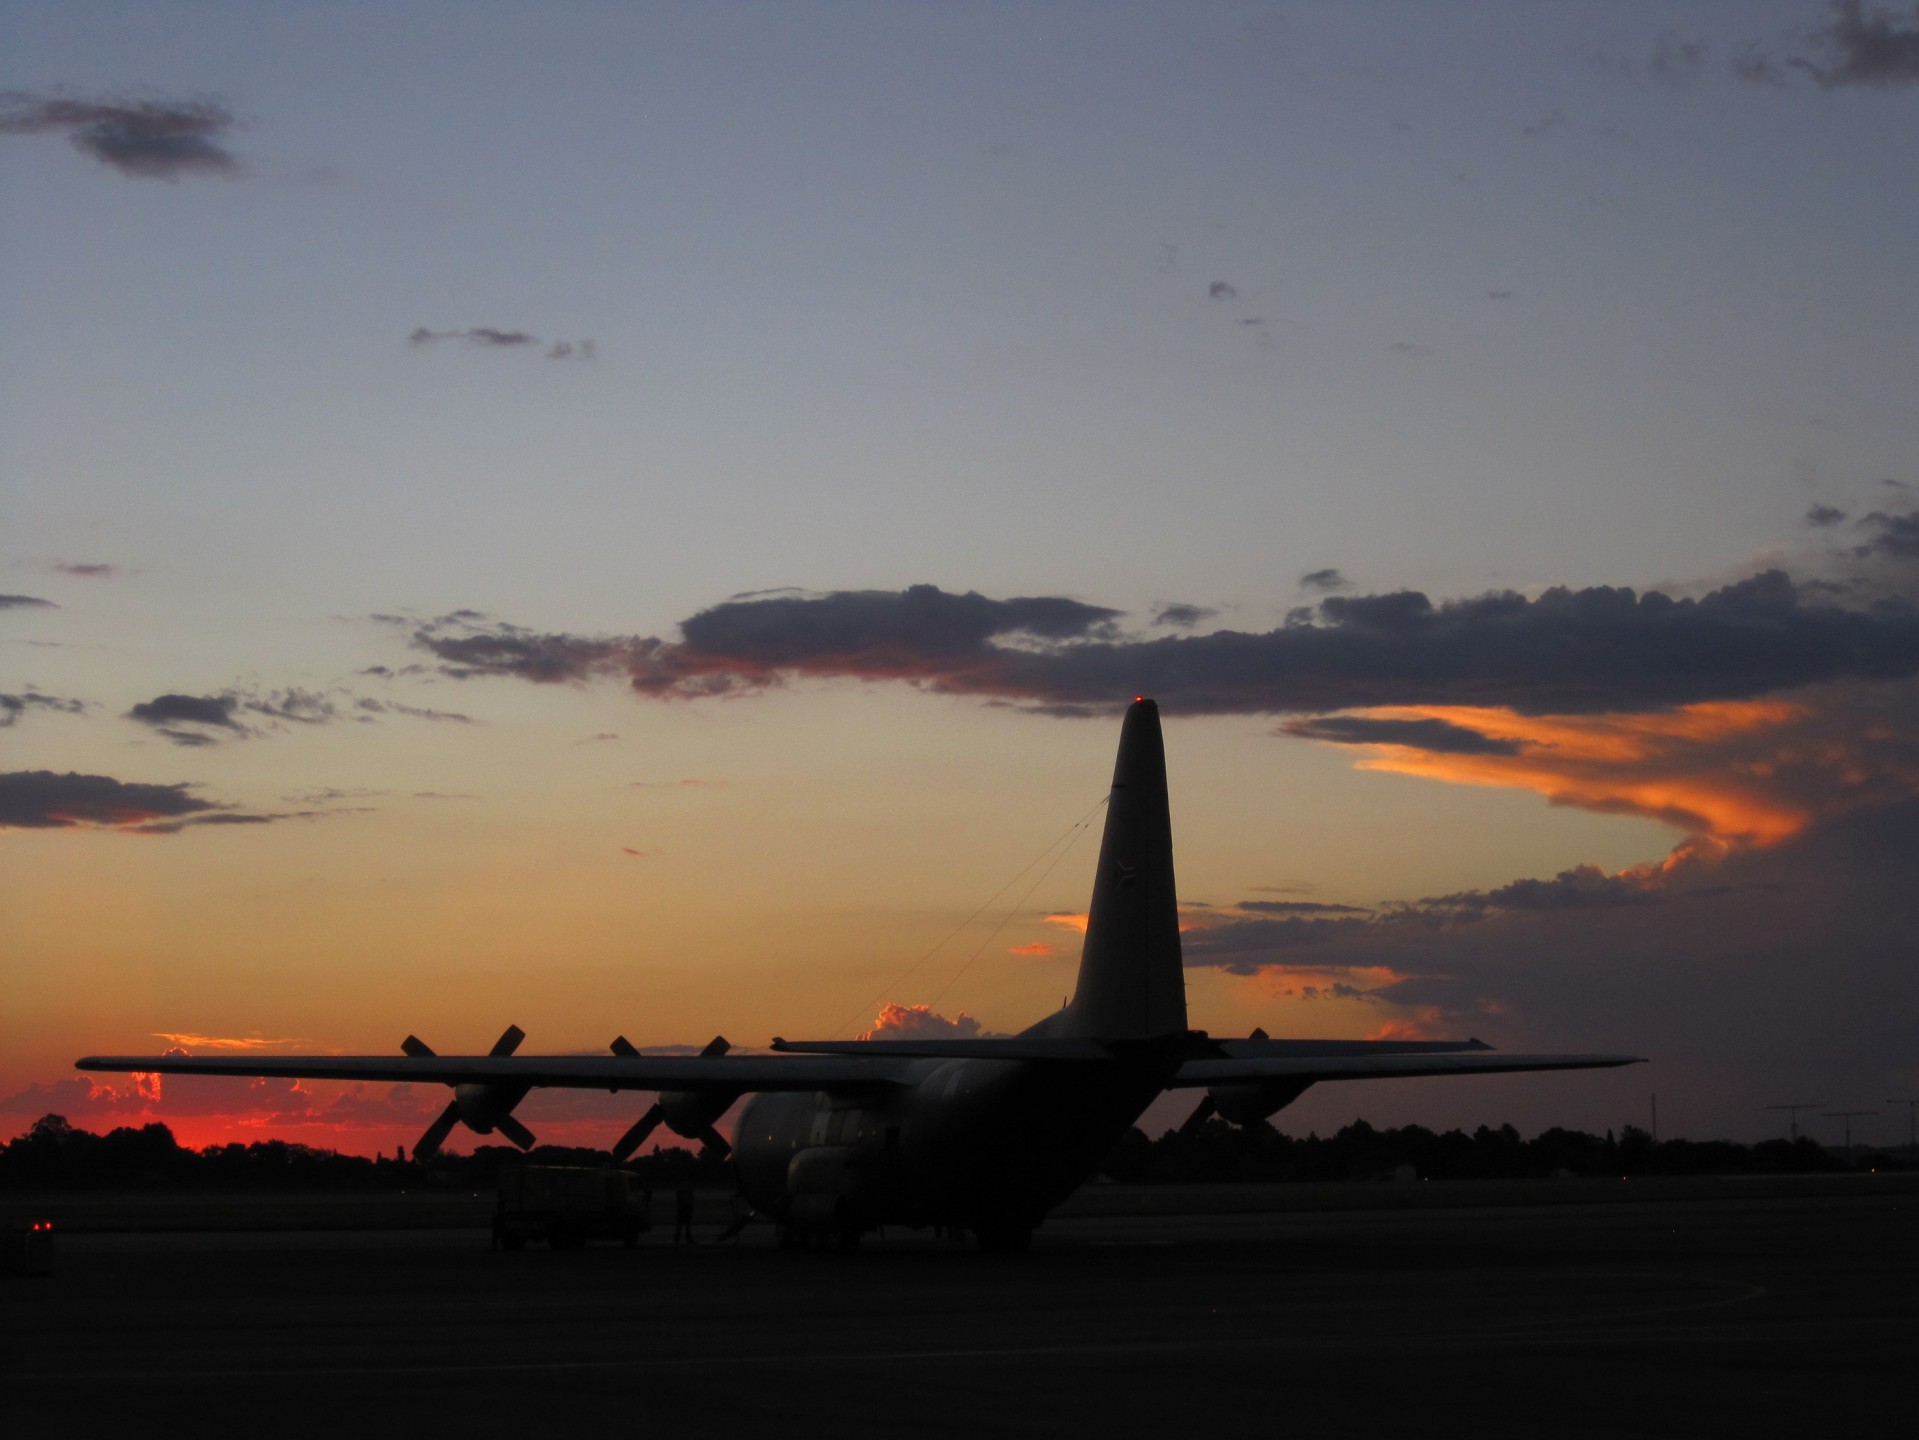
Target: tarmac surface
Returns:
[1700, 1310]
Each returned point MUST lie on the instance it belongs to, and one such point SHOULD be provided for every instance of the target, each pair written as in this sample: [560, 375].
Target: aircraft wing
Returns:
[710, 1073]
[1379, 1066]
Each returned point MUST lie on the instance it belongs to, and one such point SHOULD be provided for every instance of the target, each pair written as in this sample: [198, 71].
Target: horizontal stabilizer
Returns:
[1261, 1048]
[1314, 1068]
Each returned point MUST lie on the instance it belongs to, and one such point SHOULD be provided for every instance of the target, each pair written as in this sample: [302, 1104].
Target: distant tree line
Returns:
[1219, 1151]
[56, 1155]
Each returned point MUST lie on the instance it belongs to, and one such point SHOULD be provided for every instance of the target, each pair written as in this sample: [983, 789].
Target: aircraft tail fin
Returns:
[1131, 984]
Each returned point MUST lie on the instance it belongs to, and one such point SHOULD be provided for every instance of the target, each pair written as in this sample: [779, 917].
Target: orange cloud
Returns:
[1331, 982]
[193, 1041]
[1423, 1028]
[1068, 921]
[920, 1022]
[1038, 947]
[1738, 772]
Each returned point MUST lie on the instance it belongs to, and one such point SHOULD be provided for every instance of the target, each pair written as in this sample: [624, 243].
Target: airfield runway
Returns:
[1709, 1309]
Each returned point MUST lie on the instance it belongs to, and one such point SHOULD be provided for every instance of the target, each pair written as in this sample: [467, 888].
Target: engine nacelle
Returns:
[483, 1107]
[1250, 1104]
[691, 1113]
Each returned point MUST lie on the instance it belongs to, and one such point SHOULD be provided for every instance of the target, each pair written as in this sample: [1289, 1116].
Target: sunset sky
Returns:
[641, 519]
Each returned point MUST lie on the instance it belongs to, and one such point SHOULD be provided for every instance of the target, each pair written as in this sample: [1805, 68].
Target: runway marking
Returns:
[1746, 1293]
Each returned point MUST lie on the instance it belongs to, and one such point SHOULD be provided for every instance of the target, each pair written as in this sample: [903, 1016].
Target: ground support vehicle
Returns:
[568, 1205]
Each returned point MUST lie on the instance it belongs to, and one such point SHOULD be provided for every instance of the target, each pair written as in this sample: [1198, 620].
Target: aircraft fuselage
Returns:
[983, 1145]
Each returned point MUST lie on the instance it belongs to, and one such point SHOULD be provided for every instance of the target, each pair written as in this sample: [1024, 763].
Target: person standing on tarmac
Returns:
[683, 1214]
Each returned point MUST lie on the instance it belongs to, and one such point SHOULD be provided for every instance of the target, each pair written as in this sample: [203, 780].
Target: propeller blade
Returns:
[623, 1047]
[1201, 1114]
[636, 1137]
[508, 1042]
[1259, 1033]
[416, 1047]
[429, 1144]
[514, 1131]
[711, 1139]
[717, 1046]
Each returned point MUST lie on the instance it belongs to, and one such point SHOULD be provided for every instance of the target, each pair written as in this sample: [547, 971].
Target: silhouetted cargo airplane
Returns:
[987, 1135]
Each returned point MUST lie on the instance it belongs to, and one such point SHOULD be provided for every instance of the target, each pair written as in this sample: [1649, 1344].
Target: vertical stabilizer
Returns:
[1130, 981]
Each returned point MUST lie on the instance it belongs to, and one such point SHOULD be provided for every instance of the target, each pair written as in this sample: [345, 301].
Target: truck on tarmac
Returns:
[568, 1205]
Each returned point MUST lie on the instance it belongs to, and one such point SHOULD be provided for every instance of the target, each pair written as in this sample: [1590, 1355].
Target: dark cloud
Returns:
[1590, 651]
[1876, 48]
[150, 139]
[1822, 517]
[467, 645]
[196, 720]
[12, 707]
[330, 794]
[1256, 934]
[1408, 348]
[1220, 290]
[1753, 65]
[86, 570]
[1545, 124]
[922, 633]
[1676, 61]
[1327, 579]
[16, 602]
[741, 645]
[302, 707]
[492, 338]
[1584, 887]
[1300, 907]
[1793, 959]
[167, 712]
[1857, 49]
[1437, 736]
[43, 800]
[1242, 945]
[1896, 536]
[1184, 616]
[394, 707]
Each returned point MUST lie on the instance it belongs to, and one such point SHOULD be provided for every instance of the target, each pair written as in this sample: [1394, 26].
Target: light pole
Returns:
[1846, 1115]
